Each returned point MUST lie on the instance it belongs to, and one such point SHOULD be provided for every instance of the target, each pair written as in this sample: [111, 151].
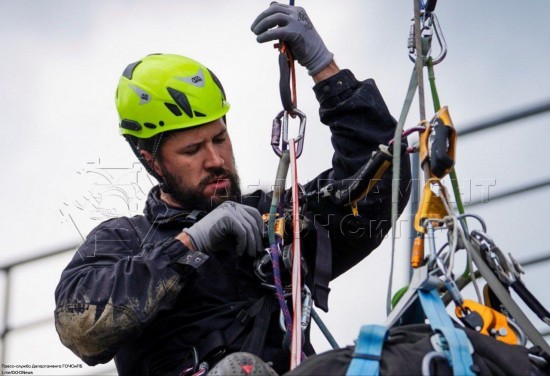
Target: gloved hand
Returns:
[292, 25]
[229, 224]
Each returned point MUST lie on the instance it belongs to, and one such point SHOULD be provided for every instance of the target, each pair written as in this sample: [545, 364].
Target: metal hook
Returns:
[440, 40]
[430, 27]
[279, 132]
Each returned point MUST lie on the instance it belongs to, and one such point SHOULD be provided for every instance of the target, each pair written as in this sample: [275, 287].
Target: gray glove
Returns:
[230, 224]
[292, 25]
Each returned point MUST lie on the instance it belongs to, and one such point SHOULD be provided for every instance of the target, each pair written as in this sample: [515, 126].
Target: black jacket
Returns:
[135, 293]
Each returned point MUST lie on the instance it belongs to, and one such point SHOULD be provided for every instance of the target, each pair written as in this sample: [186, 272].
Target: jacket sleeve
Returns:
[359, 122]
[115, 286]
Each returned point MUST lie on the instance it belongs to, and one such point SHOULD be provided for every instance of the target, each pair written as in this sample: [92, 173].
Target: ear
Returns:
[151, 161]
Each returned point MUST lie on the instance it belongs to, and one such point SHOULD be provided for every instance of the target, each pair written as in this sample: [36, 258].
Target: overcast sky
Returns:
[61, 61]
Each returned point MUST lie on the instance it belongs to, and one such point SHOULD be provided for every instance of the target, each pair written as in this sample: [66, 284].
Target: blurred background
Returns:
[67, 169]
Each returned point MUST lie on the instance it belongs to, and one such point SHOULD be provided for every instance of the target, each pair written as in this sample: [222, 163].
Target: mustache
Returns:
[216, 174]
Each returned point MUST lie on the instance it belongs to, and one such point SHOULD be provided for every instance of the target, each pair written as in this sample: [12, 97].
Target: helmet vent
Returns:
[130, 125]
[150, 125]
[199, 114]
[181, 100]
[217, 82]
[129, 71]
[173, 108]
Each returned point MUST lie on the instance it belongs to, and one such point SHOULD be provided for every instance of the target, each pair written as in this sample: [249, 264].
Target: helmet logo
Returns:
[144, 97]
[196, 80]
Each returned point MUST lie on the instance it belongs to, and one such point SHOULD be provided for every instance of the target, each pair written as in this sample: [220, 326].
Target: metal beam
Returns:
[45, 255]
[536, 260]
[505, 119]
[512, 192]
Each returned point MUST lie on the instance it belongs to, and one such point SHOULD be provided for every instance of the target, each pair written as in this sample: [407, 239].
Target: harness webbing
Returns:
[457, 342]
[368, 351]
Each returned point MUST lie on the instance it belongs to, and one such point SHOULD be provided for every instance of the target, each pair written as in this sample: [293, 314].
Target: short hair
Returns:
[154, 144]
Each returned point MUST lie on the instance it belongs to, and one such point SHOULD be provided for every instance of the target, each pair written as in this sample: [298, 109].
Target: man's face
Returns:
[198, 165]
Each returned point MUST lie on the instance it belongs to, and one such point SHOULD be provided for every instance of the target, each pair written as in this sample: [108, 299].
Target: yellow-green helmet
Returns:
[165, 92]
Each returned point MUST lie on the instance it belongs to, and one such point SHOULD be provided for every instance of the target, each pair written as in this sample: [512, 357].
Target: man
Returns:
[166, 292]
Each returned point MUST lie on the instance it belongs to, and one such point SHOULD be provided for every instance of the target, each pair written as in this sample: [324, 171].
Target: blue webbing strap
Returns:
[457, 341]
[368, 351]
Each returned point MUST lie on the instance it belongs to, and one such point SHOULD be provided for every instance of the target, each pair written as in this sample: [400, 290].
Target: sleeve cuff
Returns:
[180, 254]
[334, 85]
[193, 259]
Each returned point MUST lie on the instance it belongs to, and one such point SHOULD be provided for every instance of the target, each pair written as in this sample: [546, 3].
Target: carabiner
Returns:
[259, 265]
[307, 306]
[279, 132]
[431, 23]
[307, 303]
[496, 260]
[440, 40]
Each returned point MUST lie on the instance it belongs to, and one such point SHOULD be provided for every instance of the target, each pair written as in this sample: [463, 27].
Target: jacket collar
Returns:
[159, 212]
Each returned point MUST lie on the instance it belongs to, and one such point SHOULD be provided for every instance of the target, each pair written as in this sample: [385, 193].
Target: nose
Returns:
[213, 157]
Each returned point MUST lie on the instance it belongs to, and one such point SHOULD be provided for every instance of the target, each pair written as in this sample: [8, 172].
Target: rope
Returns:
[282, 171]
[396, 176]
[466, 275]
[296, 341]
[419, 62]
[328, 335]
[293, 323]
[296, 323]
[415, 82]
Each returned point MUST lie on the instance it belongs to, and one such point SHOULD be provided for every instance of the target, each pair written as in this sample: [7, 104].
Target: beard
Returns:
[193, 198]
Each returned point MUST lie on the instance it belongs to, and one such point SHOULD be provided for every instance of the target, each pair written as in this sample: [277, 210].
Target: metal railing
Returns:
[7, 270]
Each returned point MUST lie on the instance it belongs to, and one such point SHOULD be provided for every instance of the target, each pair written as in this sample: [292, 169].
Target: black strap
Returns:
[255, 341]
[323, 268]
[215, 344]
[531, 301]
[284, 82]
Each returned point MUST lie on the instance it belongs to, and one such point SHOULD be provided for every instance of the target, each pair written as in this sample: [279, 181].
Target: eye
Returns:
[191, 150]
[219, 139]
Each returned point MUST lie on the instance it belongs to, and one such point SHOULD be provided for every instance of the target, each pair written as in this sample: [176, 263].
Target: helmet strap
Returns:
[156, 146]
[133, 145]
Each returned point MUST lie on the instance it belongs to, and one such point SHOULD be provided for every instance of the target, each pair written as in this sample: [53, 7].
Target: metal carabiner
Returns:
[482, 236]
[307, 306]
[276, 142]
[307, 303]
[449, 283]
[259, 265]
[430, 27]
[279, 132]
[496, 260]
[440, 40]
